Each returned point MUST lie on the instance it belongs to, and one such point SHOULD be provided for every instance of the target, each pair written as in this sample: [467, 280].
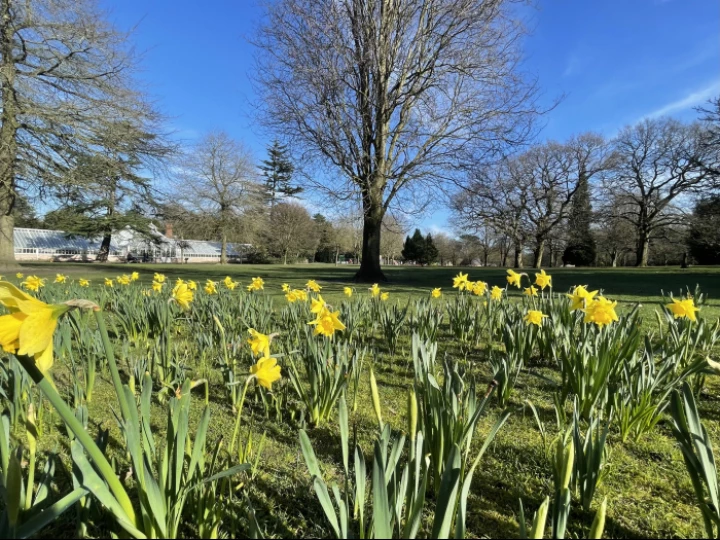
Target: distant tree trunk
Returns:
[504, 256]
[518, 258]
[370, 270]
[539, 251]
[614, 255]
[684, 260]
[223, 249]
[104, 251]
[643, 248]
[285, 253]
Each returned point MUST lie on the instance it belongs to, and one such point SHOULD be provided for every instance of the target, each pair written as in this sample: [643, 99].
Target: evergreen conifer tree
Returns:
[278, 172]
[581, 248]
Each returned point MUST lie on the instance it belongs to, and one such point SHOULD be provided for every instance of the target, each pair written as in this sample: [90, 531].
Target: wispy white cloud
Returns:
[693, 99]
[573, 63]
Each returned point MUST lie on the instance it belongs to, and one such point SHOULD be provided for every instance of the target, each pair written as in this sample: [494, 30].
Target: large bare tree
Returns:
[65, 75]
[391, 93]
[218, 178]
[656, 163]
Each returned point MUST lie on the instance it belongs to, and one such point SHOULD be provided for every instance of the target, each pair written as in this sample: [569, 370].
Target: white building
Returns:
[126, 245]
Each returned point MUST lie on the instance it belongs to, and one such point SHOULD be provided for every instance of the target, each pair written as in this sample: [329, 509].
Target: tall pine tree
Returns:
[581, 248]
[278, 172]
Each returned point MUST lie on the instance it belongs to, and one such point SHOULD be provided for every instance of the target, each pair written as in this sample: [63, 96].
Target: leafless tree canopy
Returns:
[217, 178]
[392, 92]
[65, 79]
[656, 163]
[528, 195]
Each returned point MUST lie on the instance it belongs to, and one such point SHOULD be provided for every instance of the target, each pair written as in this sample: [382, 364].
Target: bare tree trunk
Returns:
[539, 251]
[223, 249]
[285, 257]
[614, 256]
[518, 258]
[643, 248]
[370, 270]
[8, 138]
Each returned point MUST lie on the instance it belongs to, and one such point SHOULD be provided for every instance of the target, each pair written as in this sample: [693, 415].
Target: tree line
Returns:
[644, 196]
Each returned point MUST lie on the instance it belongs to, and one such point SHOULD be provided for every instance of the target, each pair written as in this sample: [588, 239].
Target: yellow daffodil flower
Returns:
[513, 278]
[479, 288]
[60, 278]
[317, 305]
[19, 275]
[286, 287]
[123, 280]
[496, 293]
[534, 317]
[29, 327]
[157, 286]
[384, 296]
[84, 282]
[160, 278]
[436, 293]
[348, 291]
[313, 286]
[192, 285]
[530, 291]
[375, 290]
[327, 323]
[182, 294]
[134, 276]
[33, 283]
[291, 296]
[543, 280]
[301, 294]
[460, 281]
[266, 371]
[258, 283]
[581, 297]
[683, 308]
[259, 343]
[210, 287]
[109, 282]
[600, 311]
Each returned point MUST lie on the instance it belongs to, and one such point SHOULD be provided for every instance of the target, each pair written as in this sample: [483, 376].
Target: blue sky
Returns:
[615, 62]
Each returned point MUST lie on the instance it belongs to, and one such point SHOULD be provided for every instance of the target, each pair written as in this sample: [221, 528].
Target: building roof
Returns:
[122, 241]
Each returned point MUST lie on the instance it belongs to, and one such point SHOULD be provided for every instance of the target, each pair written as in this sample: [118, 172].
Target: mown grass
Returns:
[649, 492]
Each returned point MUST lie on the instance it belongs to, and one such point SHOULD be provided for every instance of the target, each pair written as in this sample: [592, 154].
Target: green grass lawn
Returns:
[649, 492]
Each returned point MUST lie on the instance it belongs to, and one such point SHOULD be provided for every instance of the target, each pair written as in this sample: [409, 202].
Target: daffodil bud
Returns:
[538, 526]
[412, 414]
[376, 399]
[598, 525]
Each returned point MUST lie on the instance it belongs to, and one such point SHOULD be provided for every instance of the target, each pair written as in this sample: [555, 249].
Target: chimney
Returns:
[168, 230]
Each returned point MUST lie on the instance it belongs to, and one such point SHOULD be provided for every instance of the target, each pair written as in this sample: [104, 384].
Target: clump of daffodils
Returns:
[327, 322]
[210, 287]
[33, 283]
[229, 283]
[601, 312]
[313, 286]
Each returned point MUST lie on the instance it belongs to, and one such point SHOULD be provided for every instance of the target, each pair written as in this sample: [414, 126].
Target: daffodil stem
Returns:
[239, 414]
[114, 373]
[81, 434]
